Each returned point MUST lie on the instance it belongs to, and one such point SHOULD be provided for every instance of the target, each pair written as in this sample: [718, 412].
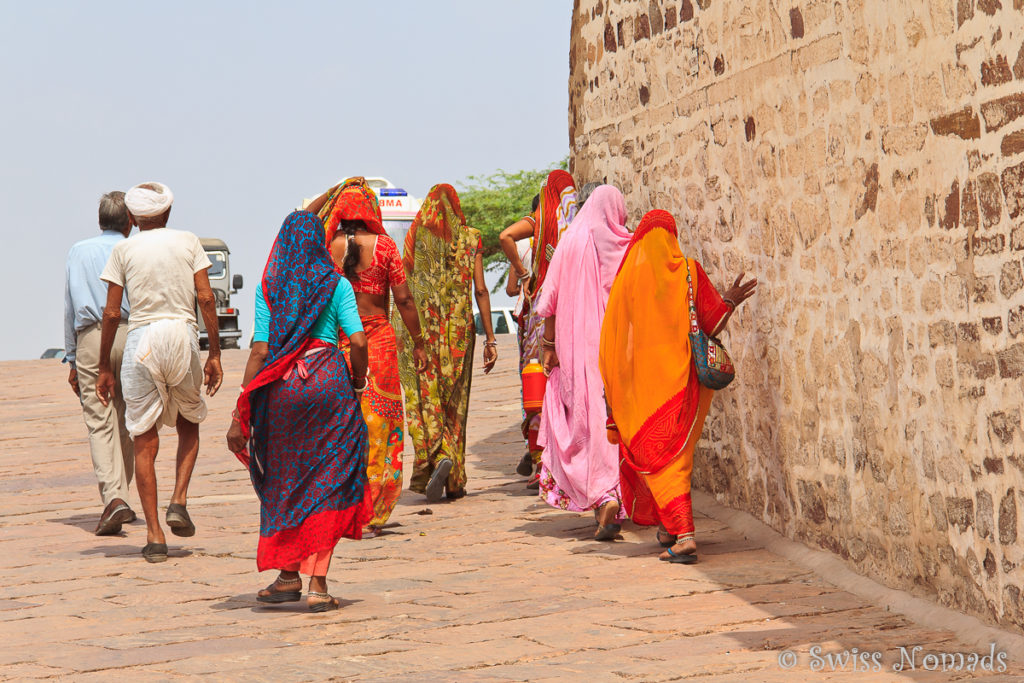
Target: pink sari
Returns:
[580, 469]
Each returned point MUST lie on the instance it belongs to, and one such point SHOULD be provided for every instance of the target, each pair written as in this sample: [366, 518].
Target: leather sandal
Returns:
[116, 514]
[155, 552]
[177, 518]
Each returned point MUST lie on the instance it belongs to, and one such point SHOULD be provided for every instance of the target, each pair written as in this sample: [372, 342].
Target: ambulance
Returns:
[397, 207]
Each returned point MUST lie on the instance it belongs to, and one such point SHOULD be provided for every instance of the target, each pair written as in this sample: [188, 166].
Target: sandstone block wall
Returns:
[865, 160]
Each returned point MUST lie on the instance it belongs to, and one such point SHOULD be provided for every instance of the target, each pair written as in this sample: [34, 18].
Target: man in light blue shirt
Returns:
[85, 295]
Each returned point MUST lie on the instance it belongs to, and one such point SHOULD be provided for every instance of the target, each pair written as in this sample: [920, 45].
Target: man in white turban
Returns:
[149, 199]
[163, 273]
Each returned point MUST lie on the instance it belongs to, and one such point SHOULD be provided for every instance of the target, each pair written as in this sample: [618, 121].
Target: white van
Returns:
[502, 321]
[397, 207]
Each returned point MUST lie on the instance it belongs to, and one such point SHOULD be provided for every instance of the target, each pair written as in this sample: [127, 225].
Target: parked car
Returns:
[501, 320]
[223, 285]
[57, 354]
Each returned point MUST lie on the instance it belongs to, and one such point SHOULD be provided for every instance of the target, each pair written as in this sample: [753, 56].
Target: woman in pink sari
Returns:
[579, 468]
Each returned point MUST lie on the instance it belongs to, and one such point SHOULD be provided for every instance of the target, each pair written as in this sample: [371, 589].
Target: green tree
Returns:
[492, 203]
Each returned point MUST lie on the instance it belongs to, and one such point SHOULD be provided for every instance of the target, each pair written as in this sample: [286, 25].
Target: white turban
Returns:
[148, 199]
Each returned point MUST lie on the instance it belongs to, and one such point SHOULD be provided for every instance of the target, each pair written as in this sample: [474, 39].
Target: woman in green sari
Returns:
[443, 262]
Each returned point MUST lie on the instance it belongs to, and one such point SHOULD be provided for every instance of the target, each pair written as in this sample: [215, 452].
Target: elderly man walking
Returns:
[163, 274]
[113, 459]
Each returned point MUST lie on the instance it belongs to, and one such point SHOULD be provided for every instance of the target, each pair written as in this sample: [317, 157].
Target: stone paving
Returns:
[496, 586]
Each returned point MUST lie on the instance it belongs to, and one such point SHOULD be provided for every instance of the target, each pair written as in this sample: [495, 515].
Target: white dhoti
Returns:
[161, 376]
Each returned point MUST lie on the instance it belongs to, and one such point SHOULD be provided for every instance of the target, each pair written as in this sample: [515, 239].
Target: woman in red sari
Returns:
[655, 401]
[356, 239]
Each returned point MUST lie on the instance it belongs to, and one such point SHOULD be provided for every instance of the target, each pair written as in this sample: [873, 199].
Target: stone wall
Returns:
[864, 159]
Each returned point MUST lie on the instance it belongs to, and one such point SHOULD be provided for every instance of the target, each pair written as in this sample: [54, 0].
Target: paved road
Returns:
[496, 586]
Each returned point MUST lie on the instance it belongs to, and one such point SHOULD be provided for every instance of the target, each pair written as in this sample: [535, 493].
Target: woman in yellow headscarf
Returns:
[655, 401]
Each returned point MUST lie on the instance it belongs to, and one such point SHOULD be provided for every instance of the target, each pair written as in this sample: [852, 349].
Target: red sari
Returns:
[554, 214]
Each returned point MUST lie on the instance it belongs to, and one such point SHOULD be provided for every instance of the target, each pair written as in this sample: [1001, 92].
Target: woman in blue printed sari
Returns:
[298, 425]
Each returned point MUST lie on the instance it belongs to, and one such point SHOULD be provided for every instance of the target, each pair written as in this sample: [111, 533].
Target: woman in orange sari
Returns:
[655, 401]
[357, 241]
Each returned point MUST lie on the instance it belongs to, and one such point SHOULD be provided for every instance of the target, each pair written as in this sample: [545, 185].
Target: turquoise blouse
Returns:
[341, 312]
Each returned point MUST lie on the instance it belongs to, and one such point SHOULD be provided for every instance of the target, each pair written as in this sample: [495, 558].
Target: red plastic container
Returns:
[534, 382]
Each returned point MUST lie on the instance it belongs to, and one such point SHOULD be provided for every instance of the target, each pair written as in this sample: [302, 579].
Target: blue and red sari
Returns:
[307, 438]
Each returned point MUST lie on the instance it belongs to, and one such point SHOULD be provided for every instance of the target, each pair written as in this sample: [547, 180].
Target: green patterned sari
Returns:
[440, 253]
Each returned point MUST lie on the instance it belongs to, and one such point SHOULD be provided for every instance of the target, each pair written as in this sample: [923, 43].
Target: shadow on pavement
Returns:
[88, 522]
[248, 601]
[83, 522]
[570, 526]
[134, 550]
[501, 451]
[411, 500]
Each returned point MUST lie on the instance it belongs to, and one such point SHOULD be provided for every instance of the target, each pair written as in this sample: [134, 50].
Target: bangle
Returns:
[491, 343]
[524, 276]
[366, 383]
[730, 303]
[549, 343]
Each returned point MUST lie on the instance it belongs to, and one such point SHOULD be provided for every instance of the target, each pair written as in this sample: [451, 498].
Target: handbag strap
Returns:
[694, 327]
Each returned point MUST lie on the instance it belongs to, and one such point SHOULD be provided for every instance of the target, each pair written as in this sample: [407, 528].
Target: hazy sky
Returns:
[244, 109]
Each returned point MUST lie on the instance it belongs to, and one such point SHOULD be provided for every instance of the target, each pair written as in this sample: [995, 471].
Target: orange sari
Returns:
[382, 401]
[650, 380]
